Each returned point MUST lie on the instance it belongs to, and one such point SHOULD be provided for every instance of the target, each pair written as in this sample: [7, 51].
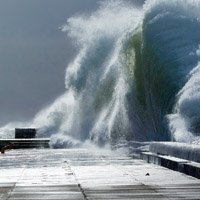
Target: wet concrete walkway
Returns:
[51, 174]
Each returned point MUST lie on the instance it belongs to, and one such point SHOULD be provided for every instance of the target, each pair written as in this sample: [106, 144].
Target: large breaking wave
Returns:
[136, 76]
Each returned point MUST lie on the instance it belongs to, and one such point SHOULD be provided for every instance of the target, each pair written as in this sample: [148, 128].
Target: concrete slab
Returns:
[75, 174]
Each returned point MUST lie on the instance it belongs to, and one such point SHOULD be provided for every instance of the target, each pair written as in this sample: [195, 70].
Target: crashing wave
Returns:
[136, 76]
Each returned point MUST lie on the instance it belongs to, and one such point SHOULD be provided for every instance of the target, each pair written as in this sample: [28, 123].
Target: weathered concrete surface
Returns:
[88, 174]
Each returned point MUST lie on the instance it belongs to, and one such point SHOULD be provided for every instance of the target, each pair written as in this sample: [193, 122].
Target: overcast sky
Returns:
[34, 53]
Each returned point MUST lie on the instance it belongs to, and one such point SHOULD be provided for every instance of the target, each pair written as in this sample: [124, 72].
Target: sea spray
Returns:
[96, 79]
[136, 76]
[130, 76]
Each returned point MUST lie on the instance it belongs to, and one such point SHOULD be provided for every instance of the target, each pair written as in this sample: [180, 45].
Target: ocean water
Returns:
[136, 77]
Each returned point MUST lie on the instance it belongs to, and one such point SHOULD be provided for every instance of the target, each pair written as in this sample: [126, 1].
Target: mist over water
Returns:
[136, 77]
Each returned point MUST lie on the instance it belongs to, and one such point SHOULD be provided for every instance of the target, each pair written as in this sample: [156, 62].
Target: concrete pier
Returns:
[64, 174]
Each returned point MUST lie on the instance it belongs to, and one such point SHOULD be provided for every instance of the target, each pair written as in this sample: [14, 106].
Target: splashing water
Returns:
[93, 106]
[136, 76]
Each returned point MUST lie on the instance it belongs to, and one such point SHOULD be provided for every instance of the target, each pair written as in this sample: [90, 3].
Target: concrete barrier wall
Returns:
[184, 166]
[179, 150]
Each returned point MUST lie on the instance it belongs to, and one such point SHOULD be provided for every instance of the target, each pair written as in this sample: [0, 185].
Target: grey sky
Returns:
[34, 53]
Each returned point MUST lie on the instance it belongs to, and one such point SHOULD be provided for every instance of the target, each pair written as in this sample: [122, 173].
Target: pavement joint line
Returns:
[12, 189]
[78, 184]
